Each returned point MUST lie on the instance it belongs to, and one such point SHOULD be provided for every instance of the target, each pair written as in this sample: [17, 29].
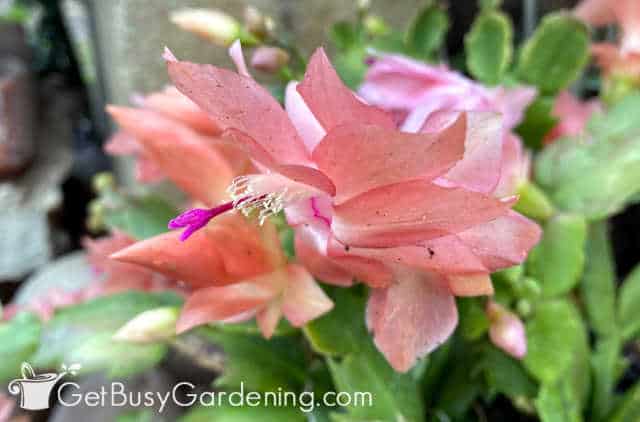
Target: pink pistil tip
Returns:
[196, 218]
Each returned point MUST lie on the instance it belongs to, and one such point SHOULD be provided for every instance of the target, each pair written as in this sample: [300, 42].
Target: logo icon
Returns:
[34, 390]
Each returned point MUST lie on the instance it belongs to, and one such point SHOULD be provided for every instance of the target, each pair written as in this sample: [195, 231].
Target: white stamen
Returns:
[248, 200]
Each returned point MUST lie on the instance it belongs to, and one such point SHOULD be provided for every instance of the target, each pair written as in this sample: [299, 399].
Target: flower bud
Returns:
[153, 325]
[523, 307]
[364, 4]
[269, 59]
[375, 25]
[533, 202]
[255, 22]
[103, 182]
[506, 330]
[214, 25]
[95, 223]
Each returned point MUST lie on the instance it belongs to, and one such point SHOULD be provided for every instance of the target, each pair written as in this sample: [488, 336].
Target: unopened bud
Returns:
[96, 207]
[269, 59]
[95, 223]
[506, 330]
[364, 4]
[375, 25]
[103, 182]
[153, 325]
[523, 307]
[211, 24]
[531, 288]
[533, 202]
[255, 22]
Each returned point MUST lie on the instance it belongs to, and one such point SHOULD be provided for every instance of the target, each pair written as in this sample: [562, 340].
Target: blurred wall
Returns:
[132, 34]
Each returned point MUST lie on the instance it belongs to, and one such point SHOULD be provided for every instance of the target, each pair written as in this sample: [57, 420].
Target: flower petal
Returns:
[235, 101]
[311, 250]
[225, 251]
[269, 317]
[411, 318]
[302, 118]
[180, 153]
[479, 170]
[222, 303]
[445, 255]
[303, 300]
[411, 212]
[395, 82]
[172, 103]
[297, 173]
[503, 242]
[470, 285]
[359, 158]
[331, 102]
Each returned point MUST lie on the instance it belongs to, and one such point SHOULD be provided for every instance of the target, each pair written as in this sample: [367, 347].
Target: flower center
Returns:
[264, 195]
[247, 200]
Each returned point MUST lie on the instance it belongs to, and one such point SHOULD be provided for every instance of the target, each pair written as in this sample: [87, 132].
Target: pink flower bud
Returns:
[506, 330]
[269, 59]
[214, 25]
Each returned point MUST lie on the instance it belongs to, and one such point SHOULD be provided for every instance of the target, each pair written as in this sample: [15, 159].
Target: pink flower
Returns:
[269, 59]
[113, 276]
[615, 59]
[110, 277]
[45, 305]
[402, 212]
[236, 271]
[506, 330]
[572, 114]
[168, 117]
[421, 92]
[416, 89]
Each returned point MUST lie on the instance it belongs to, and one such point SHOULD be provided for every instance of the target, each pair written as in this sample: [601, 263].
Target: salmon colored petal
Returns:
[269, 317]
[414, 316]
[503, 242]
[303, 300]
[302, 118]
[470, 285]
[311, 250]
[331, 102]
[122, 143]
[315, 211]
[179, 152]
[297, 173]
[479, 170]
[516, 166]
[221, 303]
[223, 252]
[147, 171]
[412, 212]
[359, 158]
[445, 255]
[172, 103]
[371, 271]
[239, 102]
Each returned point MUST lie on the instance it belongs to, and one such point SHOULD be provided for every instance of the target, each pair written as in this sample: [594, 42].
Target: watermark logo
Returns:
[34, 390]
